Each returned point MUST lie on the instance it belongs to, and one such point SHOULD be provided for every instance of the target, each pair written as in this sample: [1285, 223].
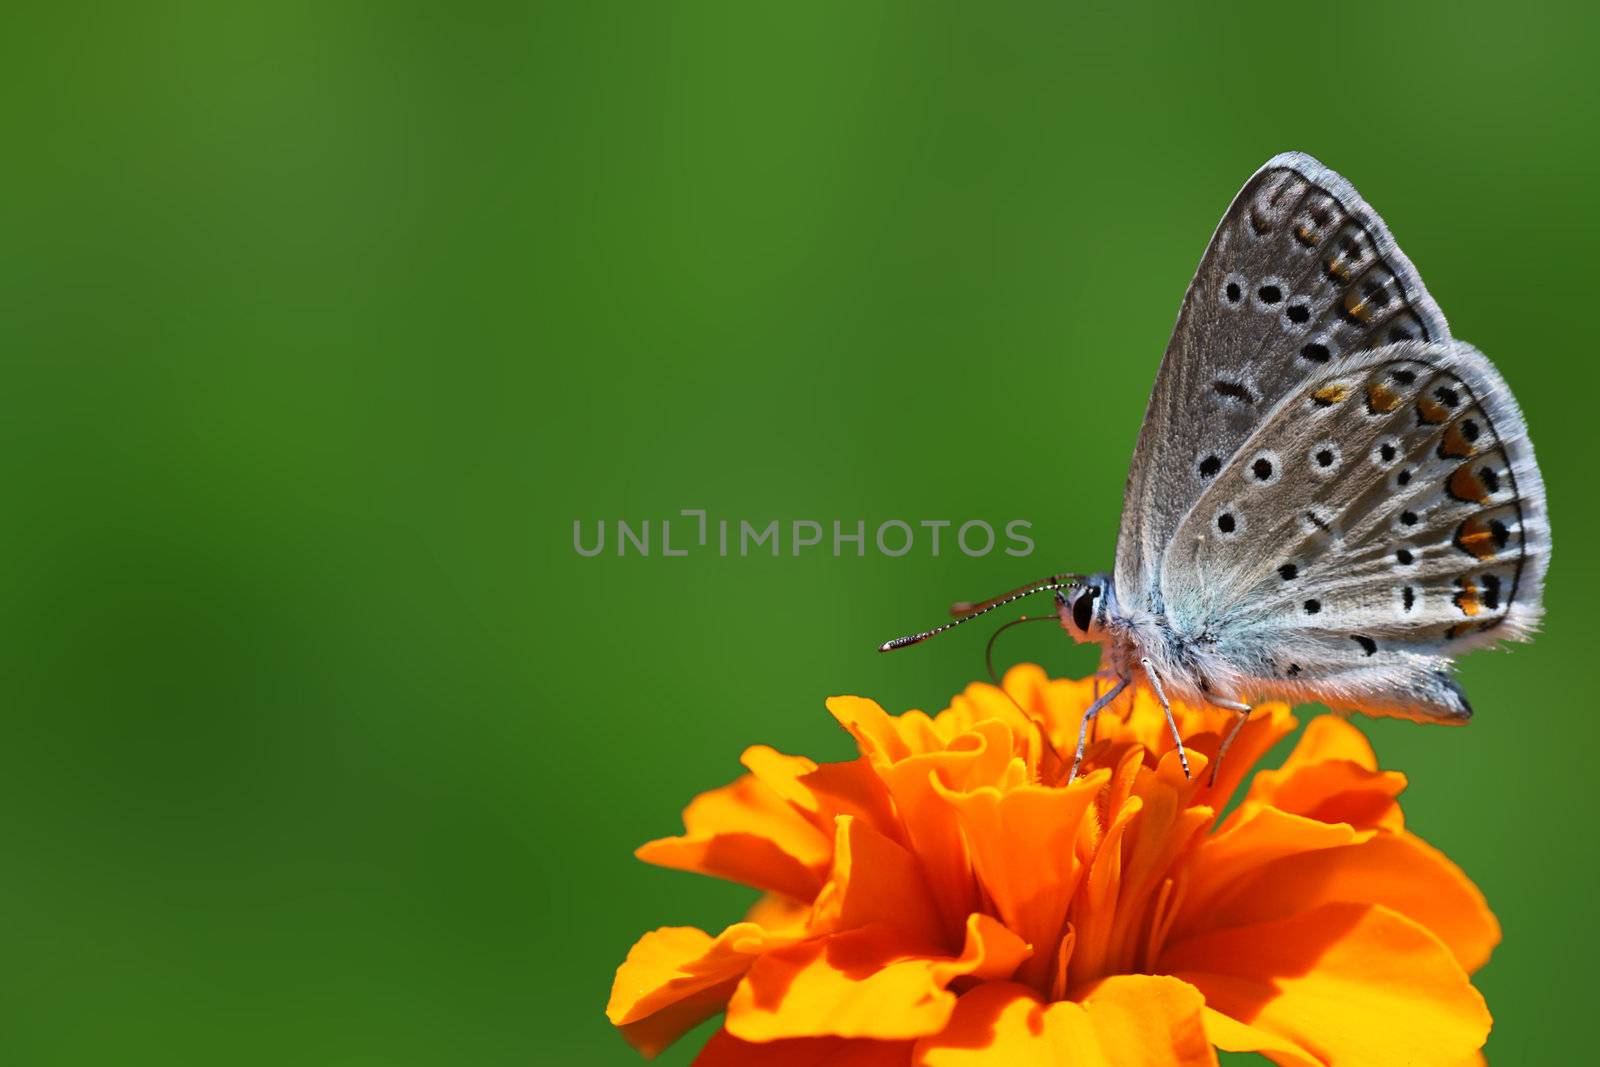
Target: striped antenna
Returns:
[967, 612]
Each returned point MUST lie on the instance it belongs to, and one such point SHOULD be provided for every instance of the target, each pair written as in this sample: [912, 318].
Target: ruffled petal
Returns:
[1042, 696]
[1124, 1021]
[1029, 732]
[783, 774]
[876, 882]
[1164, 828]
[1231, 1035]
[875, 982]
[746, 832]
[725, 1050]
[933, 831]
[677, 977]
[1233, 857]
[1023, 845]
[780, 915]
[853, 789]
[1320, 981]
[1331, 776]
[1399, 871]
[878, 734]
[1330, 737]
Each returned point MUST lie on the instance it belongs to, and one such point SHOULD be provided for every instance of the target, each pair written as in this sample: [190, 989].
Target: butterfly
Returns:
[1330, 499]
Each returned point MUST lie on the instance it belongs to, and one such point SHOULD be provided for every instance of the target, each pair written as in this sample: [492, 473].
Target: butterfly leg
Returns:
[1088, 717]
[1241, 712]
[1094, 726]
[1104, 673]
[1161, 695]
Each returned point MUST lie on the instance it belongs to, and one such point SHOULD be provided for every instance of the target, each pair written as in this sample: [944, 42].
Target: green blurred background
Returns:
[322, 323]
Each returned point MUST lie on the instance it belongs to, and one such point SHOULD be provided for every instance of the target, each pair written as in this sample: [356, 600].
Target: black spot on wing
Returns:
[1233, 391]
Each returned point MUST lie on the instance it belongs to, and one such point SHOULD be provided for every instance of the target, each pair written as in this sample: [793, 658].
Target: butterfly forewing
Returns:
[1299, 274]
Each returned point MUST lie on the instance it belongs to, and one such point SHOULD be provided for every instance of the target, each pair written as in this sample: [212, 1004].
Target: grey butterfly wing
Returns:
[1300, 272]
[1387, 515]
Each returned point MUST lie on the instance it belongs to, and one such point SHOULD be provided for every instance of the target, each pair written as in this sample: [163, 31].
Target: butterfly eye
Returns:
[1083, 610]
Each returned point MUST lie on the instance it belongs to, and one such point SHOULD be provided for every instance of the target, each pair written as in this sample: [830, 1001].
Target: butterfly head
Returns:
[1085, 607]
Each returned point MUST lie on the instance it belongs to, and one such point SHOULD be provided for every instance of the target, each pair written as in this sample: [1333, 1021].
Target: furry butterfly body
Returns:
[1331, 498]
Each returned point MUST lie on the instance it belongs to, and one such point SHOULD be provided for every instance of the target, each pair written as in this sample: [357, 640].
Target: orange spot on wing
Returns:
[1466, 484]
[1380, 398]
[1476, 538]
[1336, 393]
[1467, 600]
[1430, 410]
[1356, 307]
[1455, 443]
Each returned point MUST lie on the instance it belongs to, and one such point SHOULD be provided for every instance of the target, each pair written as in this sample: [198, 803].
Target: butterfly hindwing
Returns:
[1385, 516]
[1299, 274]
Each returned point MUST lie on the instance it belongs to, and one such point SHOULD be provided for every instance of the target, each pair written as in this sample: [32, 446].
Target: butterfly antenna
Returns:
[1054, 761]
[988, 650]
[965, 612]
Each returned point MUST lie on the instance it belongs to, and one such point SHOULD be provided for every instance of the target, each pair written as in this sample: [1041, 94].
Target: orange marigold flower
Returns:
[948, 899]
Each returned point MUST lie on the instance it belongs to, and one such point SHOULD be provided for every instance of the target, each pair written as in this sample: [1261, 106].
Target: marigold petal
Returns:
[677, 977]
[932, 828]
[875, 881]
[853, 788]
[1029, 686]
[1335, 790]
[783, 774]
[1094, 916]
[1343, 983]
[875, 982]
[780, 915]
[981, 702]
[725, 1050]
[1124, 1021]
[743, 858]
[1331, 776]
[823, 792]
[1399, 871]
[746, 832]
[1330, 737]
[1023, 851]
[1164, 828]
[877, 733]
[990, 953]
[1233, 857]
[1231, 1035]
